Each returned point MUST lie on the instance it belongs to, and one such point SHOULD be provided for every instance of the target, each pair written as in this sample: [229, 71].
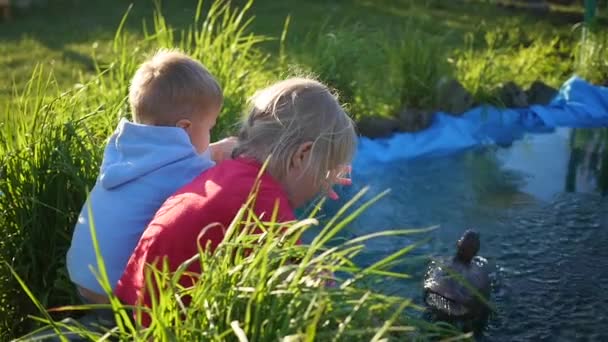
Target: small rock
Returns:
[540, 93]
[452, 97]
[414, 120]
[378, 126]
[512, 96]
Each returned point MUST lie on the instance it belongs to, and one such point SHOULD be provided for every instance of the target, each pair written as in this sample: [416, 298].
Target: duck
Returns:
[458, 288]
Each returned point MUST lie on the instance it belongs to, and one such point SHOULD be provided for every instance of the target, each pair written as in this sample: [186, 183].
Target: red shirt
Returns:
[215, 196]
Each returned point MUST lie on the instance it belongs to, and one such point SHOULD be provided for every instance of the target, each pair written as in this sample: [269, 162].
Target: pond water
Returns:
[539, 206]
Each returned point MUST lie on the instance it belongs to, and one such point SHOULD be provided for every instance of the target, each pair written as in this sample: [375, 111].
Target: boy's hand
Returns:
[222, 150]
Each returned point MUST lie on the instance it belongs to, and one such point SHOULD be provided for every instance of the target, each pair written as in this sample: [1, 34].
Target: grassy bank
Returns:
[51, 142]
[381, 57]
[252, 290]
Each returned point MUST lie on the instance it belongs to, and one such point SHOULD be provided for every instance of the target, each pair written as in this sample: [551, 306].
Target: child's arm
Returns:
[222, 150]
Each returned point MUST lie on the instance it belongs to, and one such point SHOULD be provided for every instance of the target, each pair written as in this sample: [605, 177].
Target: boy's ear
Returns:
[300, 157]
[184, 123]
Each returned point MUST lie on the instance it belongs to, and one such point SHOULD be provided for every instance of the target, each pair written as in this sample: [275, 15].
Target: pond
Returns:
[539, 206]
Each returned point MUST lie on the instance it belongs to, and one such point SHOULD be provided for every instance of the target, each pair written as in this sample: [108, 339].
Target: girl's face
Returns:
[300, 182]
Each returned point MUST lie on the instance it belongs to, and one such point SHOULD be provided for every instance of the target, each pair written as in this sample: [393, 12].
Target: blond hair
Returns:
[171, 86]
[292, 112]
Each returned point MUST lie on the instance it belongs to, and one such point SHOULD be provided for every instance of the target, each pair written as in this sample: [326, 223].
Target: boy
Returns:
[175, 102]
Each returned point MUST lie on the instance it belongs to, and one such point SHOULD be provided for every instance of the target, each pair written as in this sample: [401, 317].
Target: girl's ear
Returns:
[299, 159]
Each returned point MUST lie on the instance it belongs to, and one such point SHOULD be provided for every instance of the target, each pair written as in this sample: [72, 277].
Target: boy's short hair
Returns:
[171, 86]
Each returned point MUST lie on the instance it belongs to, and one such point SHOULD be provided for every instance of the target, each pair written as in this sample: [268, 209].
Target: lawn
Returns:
[65, 35]
[64, 72]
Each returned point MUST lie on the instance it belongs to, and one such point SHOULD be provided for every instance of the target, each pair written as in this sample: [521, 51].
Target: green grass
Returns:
[51, 144]
[252, 276]
[381, 56]
[51, 140]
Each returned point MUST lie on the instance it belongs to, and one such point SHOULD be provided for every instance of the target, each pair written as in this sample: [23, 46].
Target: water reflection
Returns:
[588, 165]
[568, 160]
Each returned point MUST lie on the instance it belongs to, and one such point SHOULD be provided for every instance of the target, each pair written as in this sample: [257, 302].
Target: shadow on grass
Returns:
[63, 23]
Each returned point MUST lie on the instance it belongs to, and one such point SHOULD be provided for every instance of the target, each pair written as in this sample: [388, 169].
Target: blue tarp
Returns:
[578, 104]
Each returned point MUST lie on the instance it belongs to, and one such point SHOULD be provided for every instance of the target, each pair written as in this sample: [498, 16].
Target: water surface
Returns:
[539, 207]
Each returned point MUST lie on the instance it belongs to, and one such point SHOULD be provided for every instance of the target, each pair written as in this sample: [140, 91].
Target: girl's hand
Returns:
[342, 178]
[222, 150]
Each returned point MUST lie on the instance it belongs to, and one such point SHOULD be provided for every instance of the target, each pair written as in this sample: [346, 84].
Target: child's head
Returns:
[172, 89]
[306, 133]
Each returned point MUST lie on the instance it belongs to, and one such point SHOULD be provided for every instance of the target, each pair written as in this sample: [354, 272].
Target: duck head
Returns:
[467, 247]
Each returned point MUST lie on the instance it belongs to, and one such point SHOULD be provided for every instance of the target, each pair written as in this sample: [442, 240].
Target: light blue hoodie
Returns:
[141, 168]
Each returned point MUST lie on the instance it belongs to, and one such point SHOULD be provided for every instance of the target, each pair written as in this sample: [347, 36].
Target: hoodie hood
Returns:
[142, 167]
[135, 150]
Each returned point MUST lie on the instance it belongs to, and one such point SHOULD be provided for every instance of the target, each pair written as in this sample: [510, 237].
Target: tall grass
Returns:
[51, 145]
[421, 62]
[222, 41]
[590, 55]
[47, 163]
[511, 54]
[508, 54]
[383, 71]
[260, 285]
[378, 72]
[219, 37]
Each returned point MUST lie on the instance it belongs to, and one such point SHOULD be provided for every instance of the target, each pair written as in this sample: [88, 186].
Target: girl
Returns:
[296, 125]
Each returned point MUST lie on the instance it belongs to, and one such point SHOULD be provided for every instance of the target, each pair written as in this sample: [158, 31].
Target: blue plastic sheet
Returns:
[578, 104]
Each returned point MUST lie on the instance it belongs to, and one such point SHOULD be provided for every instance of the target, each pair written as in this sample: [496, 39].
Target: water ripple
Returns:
[548, 247]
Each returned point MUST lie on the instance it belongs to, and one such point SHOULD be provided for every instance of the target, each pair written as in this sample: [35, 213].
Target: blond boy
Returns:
[175, 102]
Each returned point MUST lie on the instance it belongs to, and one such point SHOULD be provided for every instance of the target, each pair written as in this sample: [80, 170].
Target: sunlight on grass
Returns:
[55, 119]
